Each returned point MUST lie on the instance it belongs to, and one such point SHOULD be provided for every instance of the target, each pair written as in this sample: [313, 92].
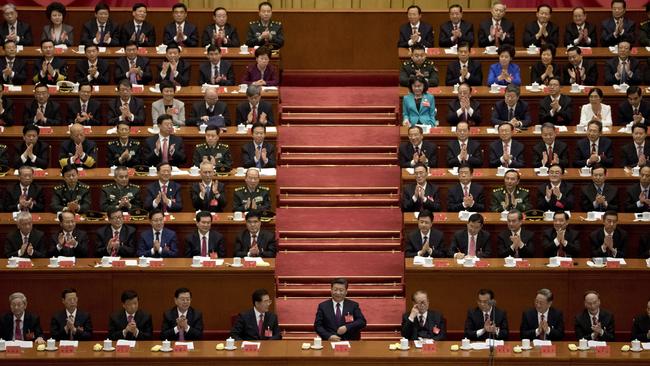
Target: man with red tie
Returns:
[486, 320]
[116, 238]
[257, 323]
[543, 321]
[204, 241]
[180, 30]
[254, 242]
[130, 322]
[71, 323]
[415, 31]
[471, 242]
[182, 322]
[560, 240]
[339, 319]
[49, 69]
[165, 147]
[18, 324]
[610, 240]
[421, 322]
[594, 323]
[496, 30]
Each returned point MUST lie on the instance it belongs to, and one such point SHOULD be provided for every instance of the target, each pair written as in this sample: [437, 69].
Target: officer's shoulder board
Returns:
[59, 187]
[201, 145]
[83, 185]
[225, 146]
[499, 189]
[263, 188]
[131, 185]
[239, 189]
[107, 185]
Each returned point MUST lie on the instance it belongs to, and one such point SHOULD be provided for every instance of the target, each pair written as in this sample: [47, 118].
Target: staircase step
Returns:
[338, 109]
[320, 290]
[338, 159]
[338, 179]
[382, 135]
[338, 190]
[342, 245]
[338, 200]
[313, 149]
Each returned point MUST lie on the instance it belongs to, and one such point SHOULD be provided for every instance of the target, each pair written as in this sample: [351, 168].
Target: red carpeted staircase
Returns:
[338, 206]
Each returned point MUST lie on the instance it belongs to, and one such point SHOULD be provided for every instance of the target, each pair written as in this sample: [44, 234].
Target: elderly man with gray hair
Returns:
[25, 241]
[543, 321]
[19, 325]
[511, 109]
[13, 29]
[255, 110]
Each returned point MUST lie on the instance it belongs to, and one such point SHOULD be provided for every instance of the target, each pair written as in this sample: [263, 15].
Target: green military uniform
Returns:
[644, 34]
[112, 193]
[115, 150]
[221, 153]
[428, 70]
[521, 200]
[64, 195]
[255, 30]
[260, 195]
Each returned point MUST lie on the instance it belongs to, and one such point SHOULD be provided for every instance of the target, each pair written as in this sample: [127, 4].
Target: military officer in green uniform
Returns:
[252, 196]
[121, 193]
[510, 196]
[265, 32]
[214, 152]
[72, 194]
[124, 151]
[418, 65]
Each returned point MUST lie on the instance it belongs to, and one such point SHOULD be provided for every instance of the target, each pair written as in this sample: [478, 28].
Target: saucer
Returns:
[166, 349]
[51, 349]
[53, 266]
[526, 348]
[594, 265]
[316, 347]
[466, 348]
[427, 265]
[236, 265]
[239, 175]
[196, 265]
[583, 348]
[636, 349]
[576, 91]
[552, 265]
[109, 349]
[195, 175]
[143, 265]
[230, 348]
[15, 266]
[404, 349]
[510, 266]
[244, 53]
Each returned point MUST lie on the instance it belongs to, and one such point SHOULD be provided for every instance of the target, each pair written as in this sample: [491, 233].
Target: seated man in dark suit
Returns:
[93, 70]
[116, 238]
[207, 111]
[159, 242]
[339, 319]
[415, 31]
[464, 109]
[180, 30]
[463, 150]
[641, 325]
[594, 323]
[486, 320]
[417, 151]
[13, 29]
[216, 71]
[220, 33]
[204, 241]
[637, 152]
[258, 153]
[542, 31]
[164, 147]
[623, 69]
[506, 151]
[418, 65]
[422, 323]
[70, 241]
[638, 194]
[471, 242]
[456, 30]
[182, 322]
[71, 323]
[77, 150]
[133, 67]
[13, 68]
[496, 30]
[599, 195]
[125, 150]
[557, 194]
[421, 194]
[257, 323]
[511, 110]
[560, 240]
[594, 149]
[251, 196]
[6, 109]
[516, 241]
[24, 195]
[18, 324]
[49, 69]
[426, 241]
[543, 321]
[635, 109]
[130, 322]
[550, 150]
[579, 70]
[85, 111]
[253, 241]
[164, 194]
[464, 70]
[618, 27]
[126, 108]
[32, 151]
[209, 194]
[555, 108]
[101, 30]
[580, 32]
[466, 195]
[254, 110]
[610, 241]
[173, 67]
[138, 30]
[25, 241]
[42, 111]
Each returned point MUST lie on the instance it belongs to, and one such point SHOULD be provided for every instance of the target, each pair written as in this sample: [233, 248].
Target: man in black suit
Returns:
[182, 322]
[254, 242]
[471, 242]
[594, 149]
[466, 195]
[635, 109]
[618, 27]
[339, 319]
[24, 195]
[557, 194]
[511, 110]
[13, 68]
[6, 109]
[164, 147]
[464, 109]
[116, 238]
[637, 152]
[464, 70]
[258, 153]
[486, 320]
[49, 69]
[101, 31]
[70, 241]
[610, 241]
[638, 194]
[130, 323]
[173, 68]
[13, 29]
[641, 325]
[417, 151]
[421, 194]
[85, 111]
[550, 151]
[594, 323]
[254, 110]
[425, 242]
[31, 151]
[257, 323]
[560, 240]
[422, 323]
[42, 111]
[221, 33]
[71, 323]
[133, 67]
[579, 70]
[180, 30]
[204, 241]
[126, 108]
[599, 195]
[208, 110]
[463, 150]
[543, 321]
[209, 194]
[25, 241]
[506, 151]
[138, 30]
[456, 30]
[496, 30]
[216, 71]
[542, 31]
[516, 241]
[18, 324]
[623, 69]
[415, 31]
[580, 32]
[164, 194]
[77, 150]
[93, 69]
[556, 108]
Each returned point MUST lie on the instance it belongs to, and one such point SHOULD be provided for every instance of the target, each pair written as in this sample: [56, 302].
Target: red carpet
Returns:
[338, 219]
[340, 95]
[339, 78]
[313, 136]
[333, 176]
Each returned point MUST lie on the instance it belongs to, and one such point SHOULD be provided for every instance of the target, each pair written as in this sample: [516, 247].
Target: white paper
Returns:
[562, 128]
[492, 130]
[21, 344]
[131, 262]
[451, 51]
[102, 49]
[417, 260]
[254, 259]
[419, 343]
[268, 172]
[619, 260]
[64, 342]
[411, 171]
[269, 88]
[334, 344]
[272, 129]
[124, 342]
[494, 342]
[479, 346]
[593, 344]
[246, 343]
[67, 259]
[15, 88]
[563, 259]
[121, 50]
[539, 343]
[598, 214]
[190, 345]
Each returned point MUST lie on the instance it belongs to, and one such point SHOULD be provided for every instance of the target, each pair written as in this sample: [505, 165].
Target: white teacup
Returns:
[54, 262]
[535, 86]
[646, 215]
[464, 343]
[51, 343]
[202, 127]
[318, 342]
[510, 261]
[636, 345]
[543, 170]
[504, 215]
[575, 87]
[166, 344]
[243, 88]
[153, 171]
[428, 261]
[583, 343]
[548, 215]
[241, 171]
[238, 215]
[464, 215]
[592, 215]
[468, 262]
[3, 345]
[106, 261]
[416, 215]
[12, 262]
[494, 88]
[142, 261]
[194, 170]
[108, 344]
[554, 261]
[82, 48]
[623, 87]
[501, 170]
[241, 128]
[581, 127]
[243, 48]
[456, 86]
[403, 343]
[636, 171]
[532, 48]
[113, 167]
[196, 261]
[647, 262]
[599, 261]
[230, 342]
[525, 343]
[236, 261]
[585, 170]
[426, 128]
[538, 128]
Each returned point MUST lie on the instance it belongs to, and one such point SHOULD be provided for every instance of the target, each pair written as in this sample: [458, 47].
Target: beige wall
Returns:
[337, 4]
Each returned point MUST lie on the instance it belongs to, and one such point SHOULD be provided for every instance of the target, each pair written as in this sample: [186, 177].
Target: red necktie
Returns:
[560, 251]
[18, 332]
[164, 191]
[471, 250]
[465, 191]
[165, 151]
[181, 334]
[578, 75]
[24, 192]
[542, 335]
[550, 155]
[497, 40]
[260, 325]
[253, 241]
[204, 247]
[71, 318]
[254, 114]
[116, 235]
